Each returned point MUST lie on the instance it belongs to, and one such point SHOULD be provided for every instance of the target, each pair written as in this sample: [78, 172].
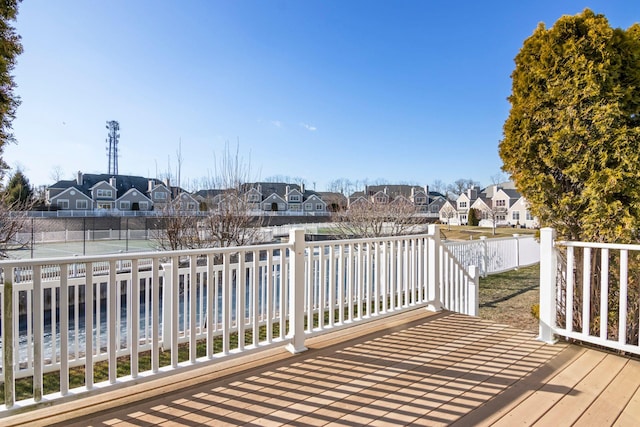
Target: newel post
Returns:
[548, 271]
[484, 264]
[296, 292]
[433, 268]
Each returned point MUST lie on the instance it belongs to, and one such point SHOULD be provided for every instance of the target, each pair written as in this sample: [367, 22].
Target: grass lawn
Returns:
[465, 232]
[508, 297]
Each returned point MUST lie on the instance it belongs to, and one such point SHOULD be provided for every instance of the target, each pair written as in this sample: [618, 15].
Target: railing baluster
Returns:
[193, 338]
[332, 285]
[64, 329]
[285, 265]
[604, 293]
[226, 309]
[624, 283]
[350, 276]
[241, 288]
[340, 283]
[255, 321]
[569, 291]
[586, 291]
[173, 285]
[155, 314]
[38, 326]
[134, 309]
[211, 304]
[321, 286]
[268, 302]
[112, 322]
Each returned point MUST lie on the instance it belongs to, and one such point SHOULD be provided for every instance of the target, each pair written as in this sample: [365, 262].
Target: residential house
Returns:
[108, 192]
[426, 202]
[499, 205]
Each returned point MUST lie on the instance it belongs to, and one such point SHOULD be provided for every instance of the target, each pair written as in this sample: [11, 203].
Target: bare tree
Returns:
[56, 173]
[13, 218]
[448, 212]
[228, 219]
[370, 219]
[439, 186]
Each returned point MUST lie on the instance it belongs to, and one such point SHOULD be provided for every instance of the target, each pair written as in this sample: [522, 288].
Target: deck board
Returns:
[611, 402]
[409, 369]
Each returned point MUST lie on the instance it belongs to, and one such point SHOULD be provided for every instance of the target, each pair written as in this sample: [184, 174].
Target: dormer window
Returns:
[104, 193]
[294, 198]
[160, 195]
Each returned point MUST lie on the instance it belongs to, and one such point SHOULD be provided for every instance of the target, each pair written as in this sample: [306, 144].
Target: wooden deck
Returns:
[416, 368]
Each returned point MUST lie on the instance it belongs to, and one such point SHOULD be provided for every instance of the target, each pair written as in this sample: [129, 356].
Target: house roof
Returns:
[279, 188]
[123, 183]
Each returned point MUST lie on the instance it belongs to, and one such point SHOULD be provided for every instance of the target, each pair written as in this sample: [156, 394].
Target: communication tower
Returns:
[112, 146]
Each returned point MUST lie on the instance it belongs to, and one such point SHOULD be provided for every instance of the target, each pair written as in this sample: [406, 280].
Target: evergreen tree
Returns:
[10, 48]
[18, 193]
[572, 139]
[474, 217]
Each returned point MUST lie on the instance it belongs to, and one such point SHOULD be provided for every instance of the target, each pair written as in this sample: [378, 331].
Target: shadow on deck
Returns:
[416, 368]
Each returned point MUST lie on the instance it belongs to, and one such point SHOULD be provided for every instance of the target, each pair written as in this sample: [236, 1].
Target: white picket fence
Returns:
[588, 293]
[497, 255]
[202, 300]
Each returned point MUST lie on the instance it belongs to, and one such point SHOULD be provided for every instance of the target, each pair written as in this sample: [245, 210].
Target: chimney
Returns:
[287, 189]
[413, 192]
[79, 178]
[150, 186]
[302, 187]
[472, 193]
[426, 190]
[112, 181]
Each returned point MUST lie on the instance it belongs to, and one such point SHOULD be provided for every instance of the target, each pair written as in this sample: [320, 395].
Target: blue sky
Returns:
[403, 91]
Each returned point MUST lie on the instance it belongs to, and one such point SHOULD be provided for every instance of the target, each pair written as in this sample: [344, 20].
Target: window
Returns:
[529, 217]
[144, 206]
[281, 206]
[82, 204]
[254, 197]
[501, 203]
[380, 199]
[501, 218]
[308, 206]
[160, 195]
[105, 205]
[435, 208]
[515, 215]
[63, 204]
[294, 198]
[125, 205]
[104, 193]
[319, 206]
[420, 200]
[191, 206]
[463, 204]
[294, 208]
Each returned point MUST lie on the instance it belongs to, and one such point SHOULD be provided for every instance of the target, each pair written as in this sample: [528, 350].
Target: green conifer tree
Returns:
[572, 139]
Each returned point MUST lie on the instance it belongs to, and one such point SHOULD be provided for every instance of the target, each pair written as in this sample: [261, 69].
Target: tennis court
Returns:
[92, 247]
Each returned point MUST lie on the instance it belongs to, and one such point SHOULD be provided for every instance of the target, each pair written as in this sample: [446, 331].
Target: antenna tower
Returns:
[112, 146]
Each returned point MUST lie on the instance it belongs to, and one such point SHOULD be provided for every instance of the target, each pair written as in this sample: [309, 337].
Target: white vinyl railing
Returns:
[497, 255]
[198, 306]
[589, 292]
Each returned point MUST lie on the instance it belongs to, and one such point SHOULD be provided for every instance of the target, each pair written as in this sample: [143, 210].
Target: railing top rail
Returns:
[615, 246]
[369, 239]
[141, 255]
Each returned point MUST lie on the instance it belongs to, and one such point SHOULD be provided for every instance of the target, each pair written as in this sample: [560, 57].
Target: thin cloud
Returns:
[309, 127]
[276, 123]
